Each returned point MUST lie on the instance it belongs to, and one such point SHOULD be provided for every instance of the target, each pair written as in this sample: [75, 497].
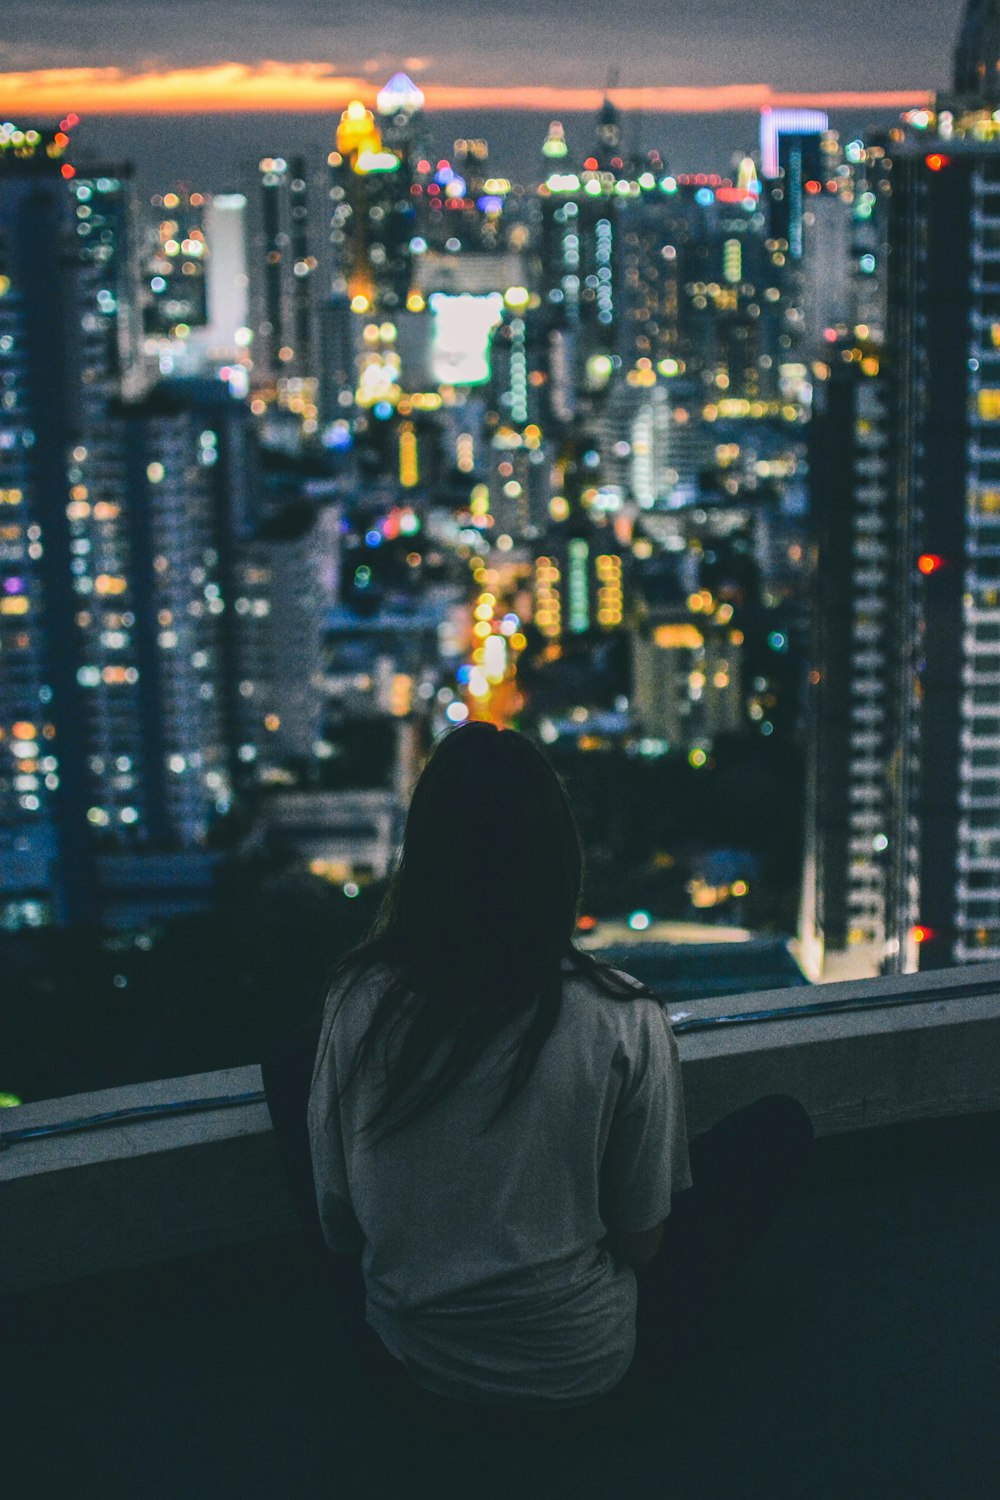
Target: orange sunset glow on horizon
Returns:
[303, 88]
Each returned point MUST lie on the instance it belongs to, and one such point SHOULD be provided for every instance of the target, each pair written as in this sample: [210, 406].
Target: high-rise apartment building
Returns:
[905, 852]
[284, 235]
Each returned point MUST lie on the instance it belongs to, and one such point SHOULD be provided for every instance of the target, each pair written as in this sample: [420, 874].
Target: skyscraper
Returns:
[977, 53]
[67, 667]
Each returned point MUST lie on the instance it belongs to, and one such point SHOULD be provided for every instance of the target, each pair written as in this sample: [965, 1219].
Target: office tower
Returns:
[687, 678]
[68, 670]
[284, 256]
[176, 264]
[849, 801]
[579, 582]
[977, 52]
[372, 217]
[187, 447]
[285, 581]
[943, 900]
[227, 333]
[791, 156]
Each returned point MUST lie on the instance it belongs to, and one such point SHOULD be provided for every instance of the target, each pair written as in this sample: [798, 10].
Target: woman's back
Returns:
[480, 1246]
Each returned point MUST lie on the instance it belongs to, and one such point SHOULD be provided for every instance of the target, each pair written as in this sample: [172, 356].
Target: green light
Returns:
[9, 1101]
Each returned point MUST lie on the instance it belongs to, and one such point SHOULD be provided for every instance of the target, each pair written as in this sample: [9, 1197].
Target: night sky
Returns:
[697, 73]
[790, 44]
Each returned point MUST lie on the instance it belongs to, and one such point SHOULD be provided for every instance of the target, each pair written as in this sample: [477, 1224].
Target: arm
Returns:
[635, 1249]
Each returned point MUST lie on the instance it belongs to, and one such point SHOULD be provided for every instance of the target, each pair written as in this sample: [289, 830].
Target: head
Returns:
[491, 862]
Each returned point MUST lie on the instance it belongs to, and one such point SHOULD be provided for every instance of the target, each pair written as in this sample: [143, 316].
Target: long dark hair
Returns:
[478, 917]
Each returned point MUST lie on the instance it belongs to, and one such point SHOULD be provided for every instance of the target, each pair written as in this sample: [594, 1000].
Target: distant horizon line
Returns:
[306, 88]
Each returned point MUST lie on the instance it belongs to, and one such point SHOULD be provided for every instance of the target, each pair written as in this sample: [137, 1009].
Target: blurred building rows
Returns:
[295, 477]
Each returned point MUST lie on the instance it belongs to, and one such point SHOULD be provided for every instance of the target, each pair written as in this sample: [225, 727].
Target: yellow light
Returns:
[697, 758]
[481, 629]
[409, 472]
[558, 508]
[415, 303]
[22, 730]
[272, 722]
[107, 583]
[484, 612]
[695, 603]
[517, 297]
[360, 303]
[518, 641]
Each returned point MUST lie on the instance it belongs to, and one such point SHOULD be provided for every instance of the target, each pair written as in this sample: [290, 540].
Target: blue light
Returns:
[489, 203]
[704, 196]
[867, 264]
[464, 672]
[338, 437]
[382, 410]
[373, 538]
[777, 640]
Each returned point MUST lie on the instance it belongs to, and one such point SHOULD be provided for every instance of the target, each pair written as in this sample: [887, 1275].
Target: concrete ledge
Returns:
[151, 1190]
[853, 1070]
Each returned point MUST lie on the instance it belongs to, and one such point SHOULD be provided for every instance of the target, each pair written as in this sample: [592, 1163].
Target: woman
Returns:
[496, 1122]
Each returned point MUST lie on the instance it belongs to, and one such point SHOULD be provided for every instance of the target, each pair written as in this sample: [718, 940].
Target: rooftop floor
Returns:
[856, 1357]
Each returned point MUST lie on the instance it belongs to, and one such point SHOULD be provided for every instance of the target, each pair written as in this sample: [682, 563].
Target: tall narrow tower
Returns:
[977, 52]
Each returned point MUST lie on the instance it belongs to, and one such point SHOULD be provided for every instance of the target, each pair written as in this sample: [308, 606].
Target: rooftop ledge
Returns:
[140, 1190]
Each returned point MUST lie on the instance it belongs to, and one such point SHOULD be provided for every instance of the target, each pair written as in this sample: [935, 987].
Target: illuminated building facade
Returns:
[284, 240]
[372, 214]
[176, 265]
[687, 680]
[943, 898]
[286, 579]
[110, 524]
[849, 808]
[579, 582]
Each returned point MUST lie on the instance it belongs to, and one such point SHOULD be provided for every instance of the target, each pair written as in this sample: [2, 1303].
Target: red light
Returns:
[830, 334]
[61, 138]
[814, 187]
[444, 166]
[616, 161]
[936, 162]
[72, 120]
[590, 165]
[586, 924]
[67, 170]
[921, 934]
[929, 562]
[423, 166]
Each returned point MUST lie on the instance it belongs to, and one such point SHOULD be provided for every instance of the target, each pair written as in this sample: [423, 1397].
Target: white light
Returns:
[457, 713]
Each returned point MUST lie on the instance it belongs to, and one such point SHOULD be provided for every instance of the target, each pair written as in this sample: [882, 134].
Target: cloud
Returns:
[302, 88]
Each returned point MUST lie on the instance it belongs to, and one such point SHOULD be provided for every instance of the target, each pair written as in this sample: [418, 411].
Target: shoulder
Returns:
[628, 1016]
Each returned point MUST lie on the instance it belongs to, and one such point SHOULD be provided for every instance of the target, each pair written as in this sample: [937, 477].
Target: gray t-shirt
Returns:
[480, 1254]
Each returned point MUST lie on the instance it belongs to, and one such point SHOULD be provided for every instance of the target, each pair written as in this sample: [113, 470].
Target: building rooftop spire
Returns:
[400, 96]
